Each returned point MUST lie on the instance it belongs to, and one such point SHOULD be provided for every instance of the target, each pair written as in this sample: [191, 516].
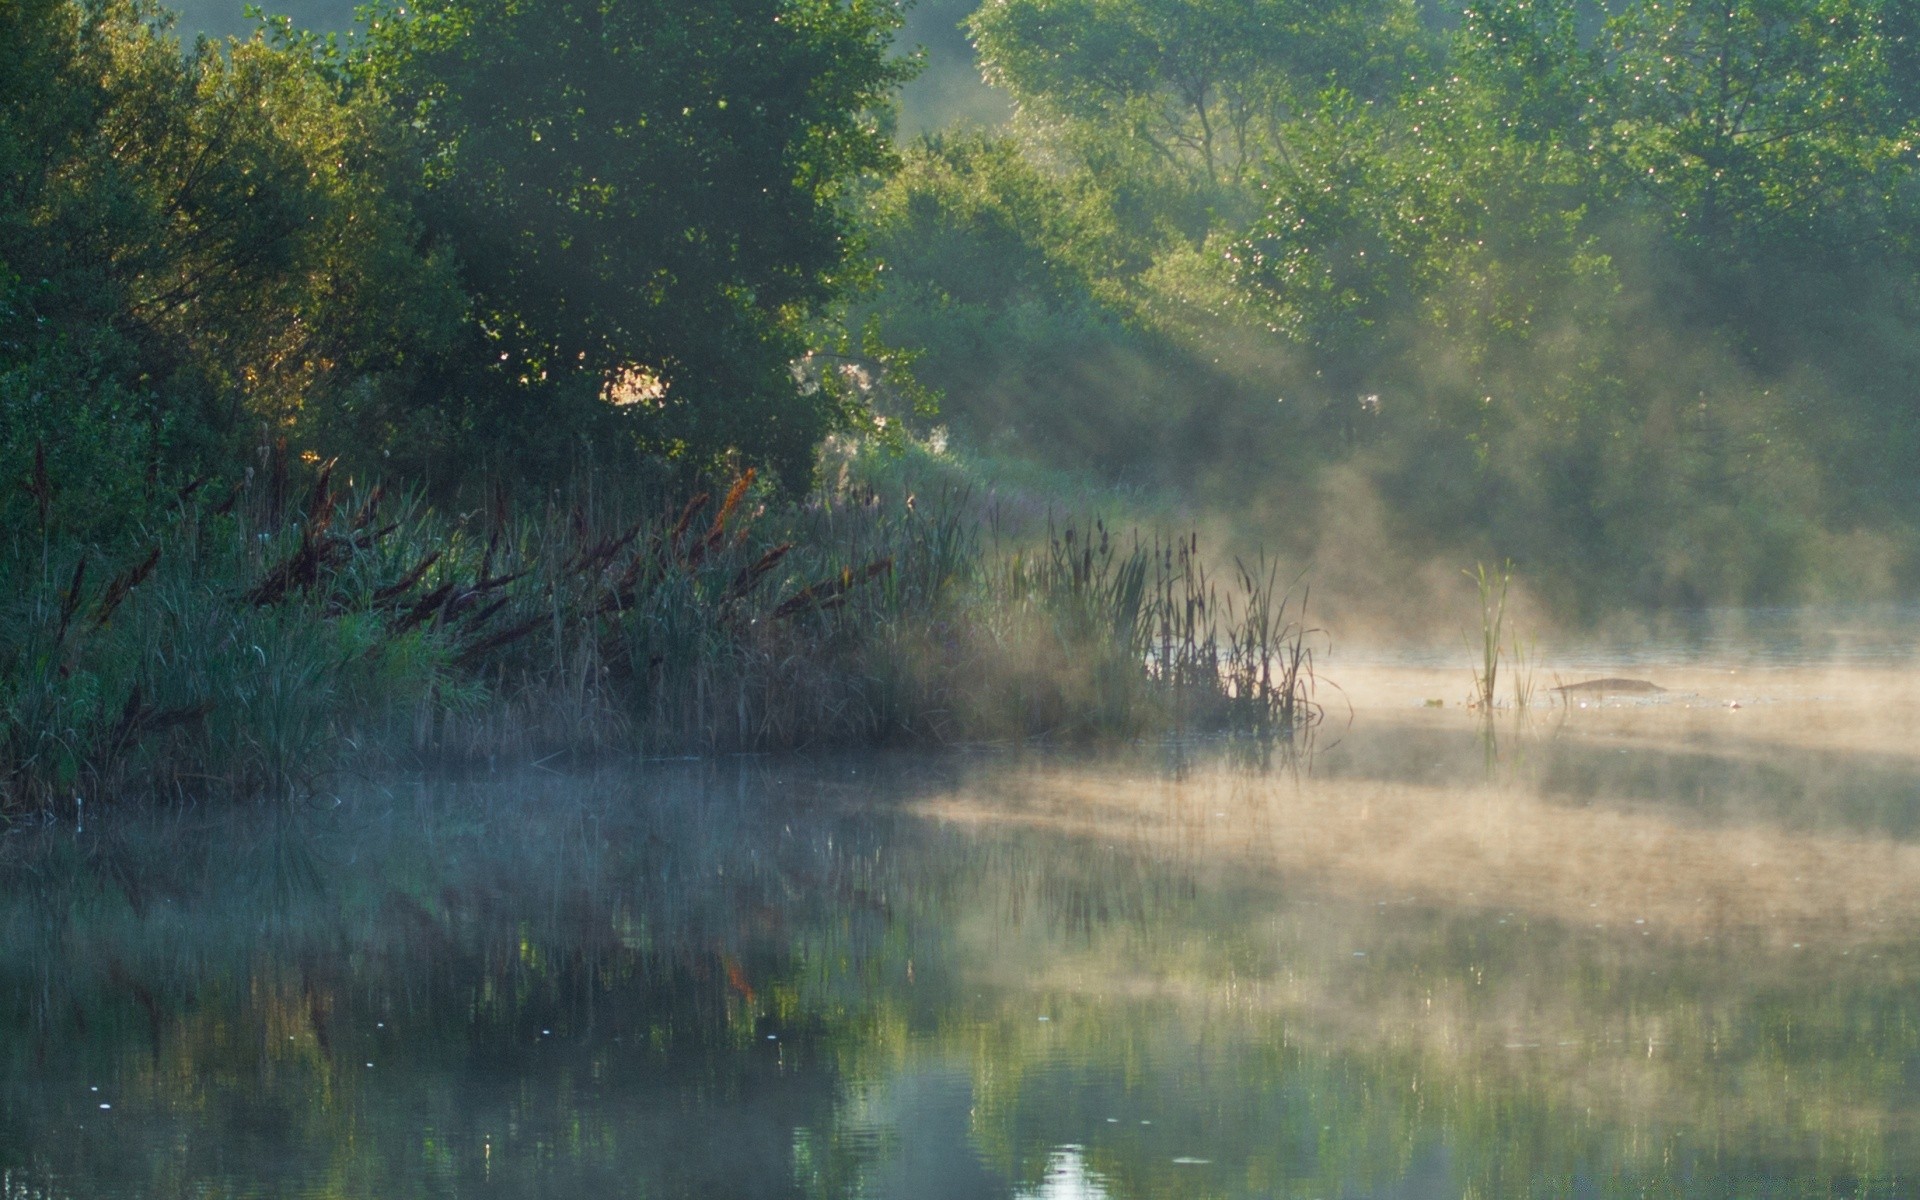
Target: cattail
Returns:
[70, 603]
[482, 616]
[406, 582]
[679, 529]
[832, 593]
[129, 718]
[121, 585]
[719, 530]
[321, 503]
[370, 509]
[750, 575]
[484, 584]
[423, 608]
[505, 637]
[598, 556]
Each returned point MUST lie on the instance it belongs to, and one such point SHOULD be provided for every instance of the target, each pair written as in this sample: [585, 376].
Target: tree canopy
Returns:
[191, 243]
[461, 243]
[1208, 85]
[648, 190]
[1543, 272]
[1630, 292]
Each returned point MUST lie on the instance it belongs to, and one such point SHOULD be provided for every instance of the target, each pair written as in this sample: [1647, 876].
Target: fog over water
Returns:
[1637, 919]
[1659, 944]
[1863, 635]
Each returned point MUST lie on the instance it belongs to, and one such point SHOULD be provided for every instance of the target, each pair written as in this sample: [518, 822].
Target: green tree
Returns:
[1208, 85]
[1757, 122]
[191, 245]
[645, 198]
[53, 376]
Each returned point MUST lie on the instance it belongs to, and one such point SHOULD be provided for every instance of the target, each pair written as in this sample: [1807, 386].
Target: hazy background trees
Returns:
[1626, 294]
[645, 190]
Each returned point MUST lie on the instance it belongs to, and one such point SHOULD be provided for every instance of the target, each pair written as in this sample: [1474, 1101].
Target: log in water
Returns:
[1615, 687]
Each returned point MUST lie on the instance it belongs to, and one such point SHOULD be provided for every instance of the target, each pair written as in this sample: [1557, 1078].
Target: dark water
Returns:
[961, 977]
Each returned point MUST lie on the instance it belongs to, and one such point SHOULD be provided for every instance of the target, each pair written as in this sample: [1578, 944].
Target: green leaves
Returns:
[201, 243]
[449, 245]
[1208, 85]
[648, 186]
[1761, 120]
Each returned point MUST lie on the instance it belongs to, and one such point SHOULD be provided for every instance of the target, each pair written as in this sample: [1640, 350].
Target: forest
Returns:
[488, 376]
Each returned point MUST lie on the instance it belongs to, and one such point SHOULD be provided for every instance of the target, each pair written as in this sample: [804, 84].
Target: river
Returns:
[1660, 945]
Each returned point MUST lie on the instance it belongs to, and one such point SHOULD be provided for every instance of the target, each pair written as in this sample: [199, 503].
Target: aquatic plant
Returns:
[265, 636]
[1492, 586]
[1526, 658]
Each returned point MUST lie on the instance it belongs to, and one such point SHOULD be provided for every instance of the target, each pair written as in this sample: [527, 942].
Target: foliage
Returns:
[372, 253]
[493, 239]
[189, 244]
[1762, 122]
[1579, 288]
[643, 199]
[1209, 86]
[1029, 302]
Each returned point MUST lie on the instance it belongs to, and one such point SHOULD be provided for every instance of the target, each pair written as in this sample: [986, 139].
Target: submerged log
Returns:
[1603, 686]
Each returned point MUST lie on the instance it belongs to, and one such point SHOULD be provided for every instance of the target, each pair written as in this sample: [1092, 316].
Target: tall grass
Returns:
[1492, 587]
[250, 646]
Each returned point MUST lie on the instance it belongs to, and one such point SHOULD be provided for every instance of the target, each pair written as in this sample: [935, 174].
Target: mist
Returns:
[949, 92]
[1314, 300]
[970, 600]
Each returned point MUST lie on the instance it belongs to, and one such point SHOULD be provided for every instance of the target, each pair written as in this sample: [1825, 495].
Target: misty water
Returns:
[1657, 946]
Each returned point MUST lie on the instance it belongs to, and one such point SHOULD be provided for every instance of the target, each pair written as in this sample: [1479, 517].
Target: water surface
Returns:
[1647, 948]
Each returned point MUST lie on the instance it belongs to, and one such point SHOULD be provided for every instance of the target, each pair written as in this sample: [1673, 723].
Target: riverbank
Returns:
[262, 636]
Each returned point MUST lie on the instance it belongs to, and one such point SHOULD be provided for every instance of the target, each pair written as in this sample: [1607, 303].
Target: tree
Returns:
[1209, 85]
[645, 197]
[191, 244]
[1763, 121]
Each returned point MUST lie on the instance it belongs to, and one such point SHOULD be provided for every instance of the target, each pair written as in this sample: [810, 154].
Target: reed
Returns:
[1526, 657]
[1492, 586]
[253, 646]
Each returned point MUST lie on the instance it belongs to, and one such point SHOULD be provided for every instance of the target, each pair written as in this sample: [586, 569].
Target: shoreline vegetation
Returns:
[266, 634]
[457, 384]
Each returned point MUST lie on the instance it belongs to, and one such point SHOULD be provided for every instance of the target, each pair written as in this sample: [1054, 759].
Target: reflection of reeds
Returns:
[493, 909]
[236, 655]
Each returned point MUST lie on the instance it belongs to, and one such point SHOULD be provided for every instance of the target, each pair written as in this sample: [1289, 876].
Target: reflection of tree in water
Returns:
[586, 991]
[778, 980]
